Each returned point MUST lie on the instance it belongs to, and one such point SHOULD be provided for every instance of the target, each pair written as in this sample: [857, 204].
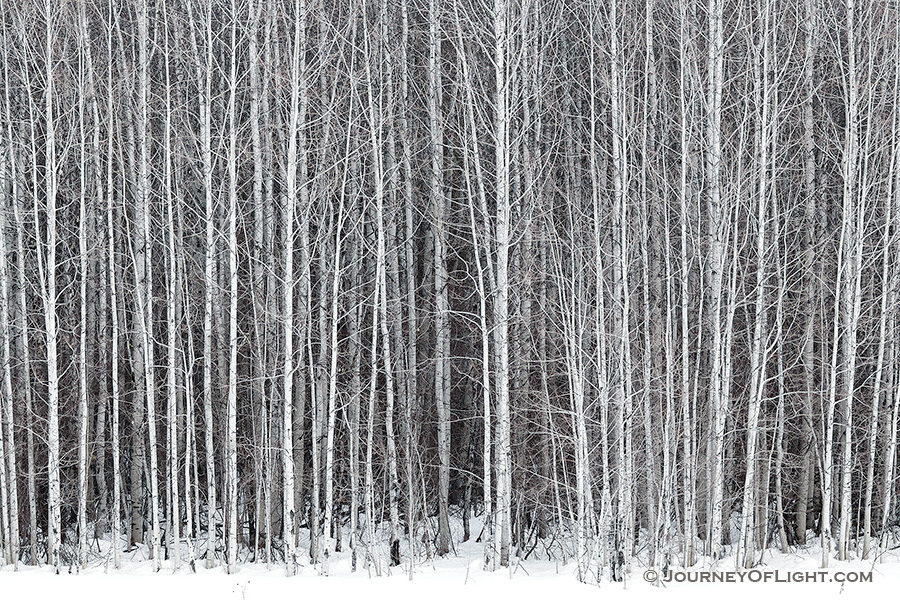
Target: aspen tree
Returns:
[412, 327]
[231, 462]
[144, 271]
[472, 146]
[171, 328]
[372, 558]
[332, 408]
[442, 305]
[570, 289]
[758, 354]
[622, 390]
[114, 312]
[355, 340]
[685, 100]
[191, 503]
[652, 320]
[260, 272]
[886, 315]
[780, 409]
[23, 392]
[6, 539]
[375, 115]
[82, 337]
[48, 290]
[809, 262]
[893, 284]
[600, 334]
[854, 207]
[295, 119]
[204, 69]
[715, 265]
[8, 436]
[501, 249]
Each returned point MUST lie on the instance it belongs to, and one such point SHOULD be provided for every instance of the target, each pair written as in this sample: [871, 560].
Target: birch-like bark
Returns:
[886, 313]
[290, 200]
[191, 462]
[375, 114]
[810, 261]
[260, 273]
[688, 457]
[442, 303]
[372, 555]
[653, 322]
[353, 418]
[744, 553]
[854, 206]
[114, 315]
[501, 246]
[231, 460]
[482, 282]
[204, 82]
[47, 274]
[893, 398]
[23, 394]
[570, 290]
[8, 417]
[412, 327]
[144, 269]
[780, 409]
[714, 267]
[622, 391]
[7, 556]
[83, 322]
[332, 408]
[172, 332]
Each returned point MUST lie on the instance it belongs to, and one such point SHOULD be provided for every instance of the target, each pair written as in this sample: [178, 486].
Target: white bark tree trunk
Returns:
[714, 268]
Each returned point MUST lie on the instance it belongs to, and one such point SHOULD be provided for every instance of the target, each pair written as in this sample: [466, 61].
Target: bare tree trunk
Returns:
[372, 558]
[412, 327]
[332, 408]
[47, 272]
[688, 457]
[781, 270]
[376, 117]
[854, 207]
[893, 398]
[296, 117]
[714, 267]
[8, 417]
[490, 516]
[810, 279]
[501, 238]
[82, 338]
[23, 350]
[744, 554]
[442, 304]
[144, 272]
[114, 329]
[621, 320]
[6, 539]
[231, 461]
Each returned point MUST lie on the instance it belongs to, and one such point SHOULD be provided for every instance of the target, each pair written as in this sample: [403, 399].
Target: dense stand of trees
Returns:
[280, 280]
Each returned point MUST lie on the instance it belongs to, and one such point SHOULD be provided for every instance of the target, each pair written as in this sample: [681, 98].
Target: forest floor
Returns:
[456, 576]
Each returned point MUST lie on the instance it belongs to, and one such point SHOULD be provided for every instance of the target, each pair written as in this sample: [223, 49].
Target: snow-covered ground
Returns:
[458, 576]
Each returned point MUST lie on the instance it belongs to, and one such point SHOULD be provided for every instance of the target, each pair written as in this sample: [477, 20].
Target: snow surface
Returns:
[458, 576]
